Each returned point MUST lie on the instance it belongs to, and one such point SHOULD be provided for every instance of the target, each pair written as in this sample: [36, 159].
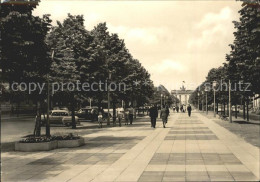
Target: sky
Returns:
[175, 41]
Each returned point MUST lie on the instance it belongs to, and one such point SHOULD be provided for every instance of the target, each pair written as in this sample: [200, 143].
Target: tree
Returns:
[23, 51]
[70, 42]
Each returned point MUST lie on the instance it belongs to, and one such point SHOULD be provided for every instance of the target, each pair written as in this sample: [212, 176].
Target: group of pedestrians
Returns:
[126, 114]
[164, 114]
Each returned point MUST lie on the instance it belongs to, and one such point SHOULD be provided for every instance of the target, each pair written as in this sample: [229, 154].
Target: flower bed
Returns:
[44, 143]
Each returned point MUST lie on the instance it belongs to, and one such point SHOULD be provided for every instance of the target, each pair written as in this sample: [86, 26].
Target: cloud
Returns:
[146, 36]
[167, 65]
[91, 19]
[215, 18]
[213, 28]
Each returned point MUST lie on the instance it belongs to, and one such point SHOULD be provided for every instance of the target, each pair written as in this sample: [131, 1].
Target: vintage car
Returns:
[88, 113]
[59, 117]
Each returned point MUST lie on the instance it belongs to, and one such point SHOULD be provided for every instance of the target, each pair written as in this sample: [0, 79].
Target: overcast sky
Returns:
[174, 40]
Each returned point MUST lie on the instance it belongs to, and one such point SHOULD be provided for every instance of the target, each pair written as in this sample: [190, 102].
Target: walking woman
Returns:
[164, 115]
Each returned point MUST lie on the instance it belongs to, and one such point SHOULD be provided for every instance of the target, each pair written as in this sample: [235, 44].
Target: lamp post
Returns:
[206, 91]
[198, 101]
[230, 107]
[202, 94]
[214, 89]
[90, 104]
[48, 133]
[108, 99]
[161, 100]
[1, 92]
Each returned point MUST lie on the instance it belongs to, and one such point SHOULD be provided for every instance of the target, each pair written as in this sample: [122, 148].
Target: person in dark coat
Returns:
[167, 112]
[177, 108]
[153, 113]
[189, 110]
[131, 114]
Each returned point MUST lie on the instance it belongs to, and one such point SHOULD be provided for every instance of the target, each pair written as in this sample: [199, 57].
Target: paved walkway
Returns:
[189, 149]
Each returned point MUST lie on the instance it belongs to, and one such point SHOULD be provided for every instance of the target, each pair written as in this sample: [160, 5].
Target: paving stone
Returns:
[220, 176]
[197, 176]
[244, 176]
[174, 176]
[151, 176]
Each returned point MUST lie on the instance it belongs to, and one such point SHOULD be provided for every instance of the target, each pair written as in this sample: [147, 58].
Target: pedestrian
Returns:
[164, 115]
[168, 113]
[131, 114]
[100, 119]
[189, 110]
[153, 113]
[126, 116]
[177, 108]
[181, 108]
[120, 114]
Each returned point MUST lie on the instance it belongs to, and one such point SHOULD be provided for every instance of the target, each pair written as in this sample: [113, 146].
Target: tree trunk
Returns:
[18, 109]
[217, 108]
[37, 128]
[73, 113]
[114, 112]
[224, 108]
[236, 111]
[244, 109]
[247, 109]
[99, 104]
[227, 108]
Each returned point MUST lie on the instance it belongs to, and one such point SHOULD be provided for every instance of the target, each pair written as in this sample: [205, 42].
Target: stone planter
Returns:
[70, 143]
[46, 146]
[31, 147]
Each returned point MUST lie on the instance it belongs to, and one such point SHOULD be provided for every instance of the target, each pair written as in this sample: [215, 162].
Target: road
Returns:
[13, 128]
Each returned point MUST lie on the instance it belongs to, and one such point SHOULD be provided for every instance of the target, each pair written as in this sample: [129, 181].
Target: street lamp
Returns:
[1, 92]
[206, 90]
[214, 89]
[108, 99]
[230, 107]
[202, 94]
[161, 100]
[48, 133]
[90, 102]
[198, 101]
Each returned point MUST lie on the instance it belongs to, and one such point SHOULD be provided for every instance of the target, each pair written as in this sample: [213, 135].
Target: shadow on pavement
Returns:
[246, 122]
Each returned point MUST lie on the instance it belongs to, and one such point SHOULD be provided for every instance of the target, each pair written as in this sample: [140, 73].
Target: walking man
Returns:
[167, 112]
[189, 110]
[131, 114]
[177, 108]
[153, 113]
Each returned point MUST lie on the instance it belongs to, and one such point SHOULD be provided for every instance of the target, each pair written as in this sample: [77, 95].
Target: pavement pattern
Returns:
[189, 149]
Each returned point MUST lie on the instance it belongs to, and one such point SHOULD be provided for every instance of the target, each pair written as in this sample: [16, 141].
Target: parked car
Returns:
[110, 111]
[64, 108]
[59, 117]
[105, 115]
[88, 113]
